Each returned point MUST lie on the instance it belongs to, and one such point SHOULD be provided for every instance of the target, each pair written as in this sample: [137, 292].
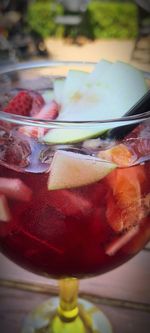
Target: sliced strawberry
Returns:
[14, 188]
[48, 112]
[37, 103]
[121, 241]
[5, 215]
[21, 104]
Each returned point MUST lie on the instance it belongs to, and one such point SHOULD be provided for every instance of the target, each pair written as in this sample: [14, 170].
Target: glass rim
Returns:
[31, 121]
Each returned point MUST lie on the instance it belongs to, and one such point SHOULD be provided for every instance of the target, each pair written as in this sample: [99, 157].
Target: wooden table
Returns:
[123, 294]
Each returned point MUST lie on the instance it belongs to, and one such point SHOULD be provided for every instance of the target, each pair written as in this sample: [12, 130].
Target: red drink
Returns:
[74, 179]
[74, 232]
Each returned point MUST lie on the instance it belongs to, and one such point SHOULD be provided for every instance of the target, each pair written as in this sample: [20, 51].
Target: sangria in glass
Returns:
[74, 179]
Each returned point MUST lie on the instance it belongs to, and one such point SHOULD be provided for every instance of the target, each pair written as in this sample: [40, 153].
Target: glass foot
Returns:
[44, 319]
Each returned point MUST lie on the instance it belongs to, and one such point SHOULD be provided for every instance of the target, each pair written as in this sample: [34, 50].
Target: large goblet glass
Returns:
[74, 195]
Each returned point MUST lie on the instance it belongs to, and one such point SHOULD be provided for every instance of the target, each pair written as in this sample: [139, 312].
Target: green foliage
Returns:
[41, 18]
[103, 19]
[113, 19]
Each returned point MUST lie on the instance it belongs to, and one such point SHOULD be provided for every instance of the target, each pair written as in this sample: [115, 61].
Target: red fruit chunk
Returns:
[121, 241]
[21, 104]
[48, 112]
[5, 215]
[37, 103]
[14, 188]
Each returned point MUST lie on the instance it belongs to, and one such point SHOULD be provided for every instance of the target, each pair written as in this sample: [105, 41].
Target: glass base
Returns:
[44, 319]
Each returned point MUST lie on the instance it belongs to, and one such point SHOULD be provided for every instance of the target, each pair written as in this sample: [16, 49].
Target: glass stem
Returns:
[68, 306]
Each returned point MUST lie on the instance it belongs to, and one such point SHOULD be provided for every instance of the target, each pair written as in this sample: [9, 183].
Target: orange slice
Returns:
[118, 154]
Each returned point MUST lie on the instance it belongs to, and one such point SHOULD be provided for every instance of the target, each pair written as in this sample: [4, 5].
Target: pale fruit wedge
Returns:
[76, 80]
[70, 170]
[109, 96]
[115, 93]
[58, 90]
[5, 215]
[100, 69]
[48, 96]
[73, 83]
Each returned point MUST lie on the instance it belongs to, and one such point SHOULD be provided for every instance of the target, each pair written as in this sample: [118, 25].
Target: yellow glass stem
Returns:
[68, 306]
[67, 319]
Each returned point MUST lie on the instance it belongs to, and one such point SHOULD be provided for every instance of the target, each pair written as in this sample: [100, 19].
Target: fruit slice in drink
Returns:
[48, 112]
[70, 170]
[89, 99]
[14, 188]
[5, 215]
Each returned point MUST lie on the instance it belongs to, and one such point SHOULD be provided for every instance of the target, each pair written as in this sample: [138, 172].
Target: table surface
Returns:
[123, 294]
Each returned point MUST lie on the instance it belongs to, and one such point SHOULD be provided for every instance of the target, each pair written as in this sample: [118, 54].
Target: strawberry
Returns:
[37, 103]
[21, 104]
[48, 112]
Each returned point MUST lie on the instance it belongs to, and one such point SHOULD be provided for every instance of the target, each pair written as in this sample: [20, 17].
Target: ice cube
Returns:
[100, 144]
[47, 153]
[139, 147]
[14, 150]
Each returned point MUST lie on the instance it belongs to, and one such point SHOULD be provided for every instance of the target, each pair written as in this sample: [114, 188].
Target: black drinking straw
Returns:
[142, 106]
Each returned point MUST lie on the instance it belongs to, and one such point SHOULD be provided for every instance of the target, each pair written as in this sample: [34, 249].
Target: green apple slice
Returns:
[58, 90]
[100, 69]
[73, 83]
[109, 97]
[121, 88]
[70, 170]
[60, 135]
[76, 80]
[48, 95]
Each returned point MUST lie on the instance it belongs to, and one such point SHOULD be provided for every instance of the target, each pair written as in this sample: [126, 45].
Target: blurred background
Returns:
[75, 30]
